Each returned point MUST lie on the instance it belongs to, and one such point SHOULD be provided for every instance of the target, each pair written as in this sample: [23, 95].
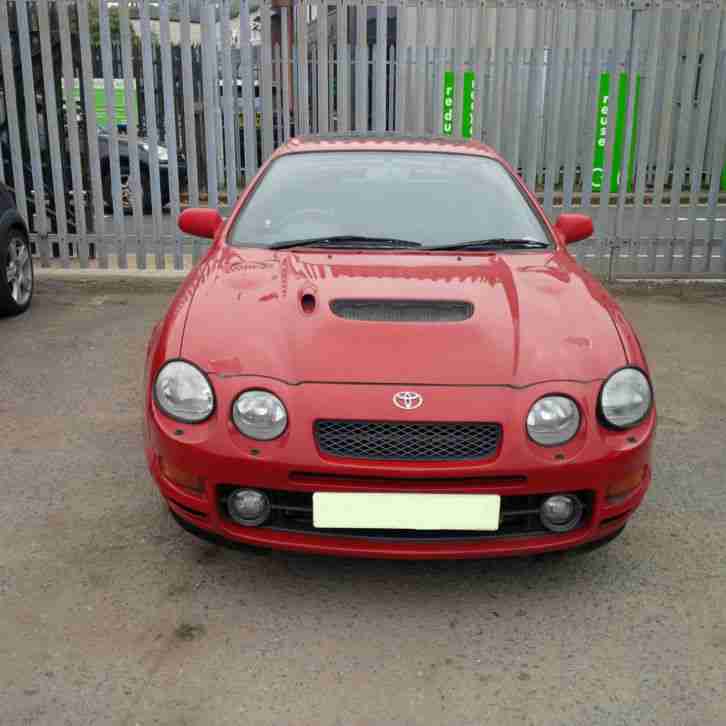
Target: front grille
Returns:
[403, 311]
[519, 516]
[404, 441]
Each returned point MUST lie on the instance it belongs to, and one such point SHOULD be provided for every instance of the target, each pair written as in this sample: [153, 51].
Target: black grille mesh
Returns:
[403, 311]
[402, 441]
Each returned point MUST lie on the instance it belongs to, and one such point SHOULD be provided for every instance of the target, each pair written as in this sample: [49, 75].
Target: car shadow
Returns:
[369, 582]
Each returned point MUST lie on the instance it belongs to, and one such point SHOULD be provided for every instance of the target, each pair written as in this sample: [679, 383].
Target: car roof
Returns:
[384, 142]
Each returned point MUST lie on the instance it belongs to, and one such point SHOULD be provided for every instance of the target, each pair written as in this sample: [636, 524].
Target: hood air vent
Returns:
[403, 311]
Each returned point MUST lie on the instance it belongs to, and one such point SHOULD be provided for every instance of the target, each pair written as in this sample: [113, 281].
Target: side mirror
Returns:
[574, 227]
[200, 222]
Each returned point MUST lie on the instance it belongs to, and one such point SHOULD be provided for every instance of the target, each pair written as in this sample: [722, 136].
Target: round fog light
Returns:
[248, 507]
[561, 512]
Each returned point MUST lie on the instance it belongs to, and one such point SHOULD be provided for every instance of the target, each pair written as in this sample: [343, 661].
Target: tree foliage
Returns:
[114, 24]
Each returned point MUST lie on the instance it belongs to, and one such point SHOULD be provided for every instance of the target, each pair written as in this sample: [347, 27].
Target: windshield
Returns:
[431, 198]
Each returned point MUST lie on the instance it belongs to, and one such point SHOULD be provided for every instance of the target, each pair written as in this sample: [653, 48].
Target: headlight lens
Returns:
[162, 153]
[183, 392]
[259, 415]
[626, 398]
[553, 420]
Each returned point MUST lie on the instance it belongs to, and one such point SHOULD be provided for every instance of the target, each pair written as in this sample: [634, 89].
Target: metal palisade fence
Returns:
[115, 115]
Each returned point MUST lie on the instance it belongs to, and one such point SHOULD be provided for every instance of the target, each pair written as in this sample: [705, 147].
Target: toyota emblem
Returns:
[408, 400]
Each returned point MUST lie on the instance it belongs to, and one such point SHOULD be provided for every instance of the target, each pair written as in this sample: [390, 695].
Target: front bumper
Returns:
[292, 466]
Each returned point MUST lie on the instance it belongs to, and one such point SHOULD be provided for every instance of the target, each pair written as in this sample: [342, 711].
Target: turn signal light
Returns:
[618, 490]
[183, 479]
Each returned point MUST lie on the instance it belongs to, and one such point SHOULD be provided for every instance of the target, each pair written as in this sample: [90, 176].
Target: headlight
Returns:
[625, 398]
[553, 420]
[162, 153]
[183, 392]
[259, 415]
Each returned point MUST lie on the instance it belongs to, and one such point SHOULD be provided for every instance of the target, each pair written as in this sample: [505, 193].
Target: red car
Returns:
[388, 351]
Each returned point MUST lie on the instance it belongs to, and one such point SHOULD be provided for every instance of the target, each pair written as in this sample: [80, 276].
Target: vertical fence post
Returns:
[89, 105]
[313, 86]
[592, 109]
[590, 83]
[342, 59]
[323, 80]
[302, 102]
[458, 58]
[718, 164]
[266, 78]
[419, 72]
[284, 81]
[648, 92]
[276, 96]
[331, 86]
[80, 197]
[210, 94]
[190, 125]
[132, 130]
[572, 139]
[170, 129]
[391, 81]
[53, 137]
[634, 71]
[152, 135]
[559, 59]
[603, 215]
[438, 12]
[361, 67]
[401, 70]
[229, 104]
[113, 164]
[11, 107]
[711, 32]
[31, 120]
[663, 163]
[494, 132]
[682, 132]
[379, 87]
[536, 99]
[249, 119]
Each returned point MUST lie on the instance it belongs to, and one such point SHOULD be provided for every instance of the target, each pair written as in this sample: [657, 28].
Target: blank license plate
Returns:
[364, 510]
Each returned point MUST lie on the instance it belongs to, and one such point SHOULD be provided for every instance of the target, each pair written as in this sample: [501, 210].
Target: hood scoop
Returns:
[402, 311]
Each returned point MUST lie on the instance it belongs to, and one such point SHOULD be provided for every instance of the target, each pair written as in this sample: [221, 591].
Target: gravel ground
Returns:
[109, 614]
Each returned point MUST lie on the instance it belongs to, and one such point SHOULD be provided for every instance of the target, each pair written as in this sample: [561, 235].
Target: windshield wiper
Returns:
[347, 241]
[495, 243]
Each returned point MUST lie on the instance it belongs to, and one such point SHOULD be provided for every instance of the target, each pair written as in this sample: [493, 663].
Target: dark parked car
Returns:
[16, 263]
[105, 164]
[144, 169]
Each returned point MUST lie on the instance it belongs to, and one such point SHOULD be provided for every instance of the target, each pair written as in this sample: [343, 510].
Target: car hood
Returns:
[536, 317]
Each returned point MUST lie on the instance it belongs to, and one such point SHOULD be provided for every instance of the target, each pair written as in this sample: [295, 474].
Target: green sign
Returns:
[448, 104]
[601, 129]
[467, 104]
[119, 101]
